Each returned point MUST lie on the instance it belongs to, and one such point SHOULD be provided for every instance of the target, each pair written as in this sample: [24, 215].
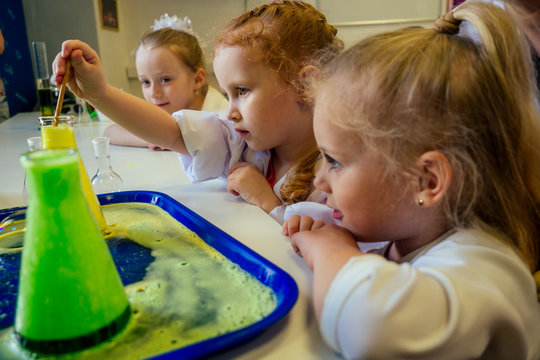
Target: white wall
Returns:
[52, 22]
[353, 18]
[207, 17]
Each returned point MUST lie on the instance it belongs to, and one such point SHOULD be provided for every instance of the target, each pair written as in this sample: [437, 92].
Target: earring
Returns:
[420, 202]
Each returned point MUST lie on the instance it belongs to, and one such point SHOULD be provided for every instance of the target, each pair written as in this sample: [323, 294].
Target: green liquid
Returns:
[190, 292]
[45, 102]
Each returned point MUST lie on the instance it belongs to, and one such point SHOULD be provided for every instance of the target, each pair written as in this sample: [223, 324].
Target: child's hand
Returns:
[245, 180]
[87, 80]
[296, 223]
[318, 242]
[326, 248]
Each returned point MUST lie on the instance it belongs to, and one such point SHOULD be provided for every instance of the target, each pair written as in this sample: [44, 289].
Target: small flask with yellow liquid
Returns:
[70, 294]
[63, 136]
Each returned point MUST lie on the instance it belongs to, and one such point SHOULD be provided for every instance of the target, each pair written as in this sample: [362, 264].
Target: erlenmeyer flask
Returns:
[106, 179]
[62, 136]
[70, 294]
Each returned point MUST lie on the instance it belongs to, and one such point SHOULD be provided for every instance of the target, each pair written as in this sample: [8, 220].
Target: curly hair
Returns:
[288, 35]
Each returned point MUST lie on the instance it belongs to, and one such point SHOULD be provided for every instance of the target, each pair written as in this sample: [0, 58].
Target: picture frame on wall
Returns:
[453, 3]
[108, 10]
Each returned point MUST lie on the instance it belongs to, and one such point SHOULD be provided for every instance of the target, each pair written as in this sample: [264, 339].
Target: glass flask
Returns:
[70, 294]
[106, 179]
[62, 136]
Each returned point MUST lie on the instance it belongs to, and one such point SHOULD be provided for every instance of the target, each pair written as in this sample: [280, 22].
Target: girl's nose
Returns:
[156, 91]
[321, 183]
[232, 113]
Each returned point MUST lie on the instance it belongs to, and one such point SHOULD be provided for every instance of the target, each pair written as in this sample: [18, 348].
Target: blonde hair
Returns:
[287, 35]
[184, 45]
[417, 90]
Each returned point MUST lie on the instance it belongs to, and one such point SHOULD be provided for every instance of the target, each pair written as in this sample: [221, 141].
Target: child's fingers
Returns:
[296, 249]
[291, 226]
[231, 188]
[306, 223]
[318, 224]
[237, 166]
[59, 68]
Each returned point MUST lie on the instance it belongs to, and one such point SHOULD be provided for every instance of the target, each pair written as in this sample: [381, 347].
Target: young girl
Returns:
[170, 65]
[266, 149]
[431, 144]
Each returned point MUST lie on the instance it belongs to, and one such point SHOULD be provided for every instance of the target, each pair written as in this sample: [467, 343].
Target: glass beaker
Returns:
[70, 294]
[43, 85]
[63, 136]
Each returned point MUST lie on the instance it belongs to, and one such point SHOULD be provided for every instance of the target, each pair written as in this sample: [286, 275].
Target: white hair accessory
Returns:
[174, 22]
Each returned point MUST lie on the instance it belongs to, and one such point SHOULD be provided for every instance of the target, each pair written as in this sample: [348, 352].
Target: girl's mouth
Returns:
[162, 105]
[336, 214]
[242, 133]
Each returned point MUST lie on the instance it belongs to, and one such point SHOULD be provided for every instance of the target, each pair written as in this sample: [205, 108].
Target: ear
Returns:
[200, 78]
[435, 178]
[304, 76]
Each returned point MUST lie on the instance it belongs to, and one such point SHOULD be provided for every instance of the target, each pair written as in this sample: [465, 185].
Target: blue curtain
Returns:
[16, 63]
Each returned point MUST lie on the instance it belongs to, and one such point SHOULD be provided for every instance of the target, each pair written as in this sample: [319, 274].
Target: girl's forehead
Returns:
[247, 53]
[146, 48]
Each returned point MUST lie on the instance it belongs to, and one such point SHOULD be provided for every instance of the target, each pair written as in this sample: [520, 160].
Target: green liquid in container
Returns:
[70, 294]
[45, 102]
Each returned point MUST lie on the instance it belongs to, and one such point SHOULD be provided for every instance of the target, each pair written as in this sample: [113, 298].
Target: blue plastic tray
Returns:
[131, 262]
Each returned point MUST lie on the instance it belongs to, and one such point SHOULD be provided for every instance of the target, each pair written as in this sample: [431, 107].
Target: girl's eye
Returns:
[165, 80]
[242, 91]
[145, 82]
[330, 160]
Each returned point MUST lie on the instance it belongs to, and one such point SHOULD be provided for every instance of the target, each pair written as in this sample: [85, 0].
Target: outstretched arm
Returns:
[132, 113]
[120, 136]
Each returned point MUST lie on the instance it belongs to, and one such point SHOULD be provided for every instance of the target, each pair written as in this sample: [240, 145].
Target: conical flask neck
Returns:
[53, 184]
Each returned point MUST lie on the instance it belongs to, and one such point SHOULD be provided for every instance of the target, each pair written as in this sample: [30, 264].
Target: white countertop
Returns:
[296, 336]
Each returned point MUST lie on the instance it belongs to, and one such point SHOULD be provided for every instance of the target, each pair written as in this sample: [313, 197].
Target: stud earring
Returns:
[420, 202]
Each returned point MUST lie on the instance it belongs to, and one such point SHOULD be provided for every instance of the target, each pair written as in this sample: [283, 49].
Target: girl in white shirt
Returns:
[171, 68]
[266, 149]
[430, 142]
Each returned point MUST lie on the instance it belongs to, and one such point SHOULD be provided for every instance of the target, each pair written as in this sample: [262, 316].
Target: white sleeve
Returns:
[459, 302]
[305, 208]
[214, 146]
[314, 206]
[375, 307]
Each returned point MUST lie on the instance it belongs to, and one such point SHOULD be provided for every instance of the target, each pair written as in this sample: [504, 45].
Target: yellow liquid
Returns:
[63, 136]
[190, 291]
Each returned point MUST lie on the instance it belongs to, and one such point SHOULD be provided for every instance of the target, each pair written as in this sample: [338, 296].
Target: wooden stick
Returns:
[61, 94]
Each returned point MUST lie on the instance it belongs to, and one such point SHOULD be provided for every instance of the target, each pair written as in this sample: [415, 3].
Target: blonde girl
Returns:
[171, 69]
[266, 149]
[431, 143]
